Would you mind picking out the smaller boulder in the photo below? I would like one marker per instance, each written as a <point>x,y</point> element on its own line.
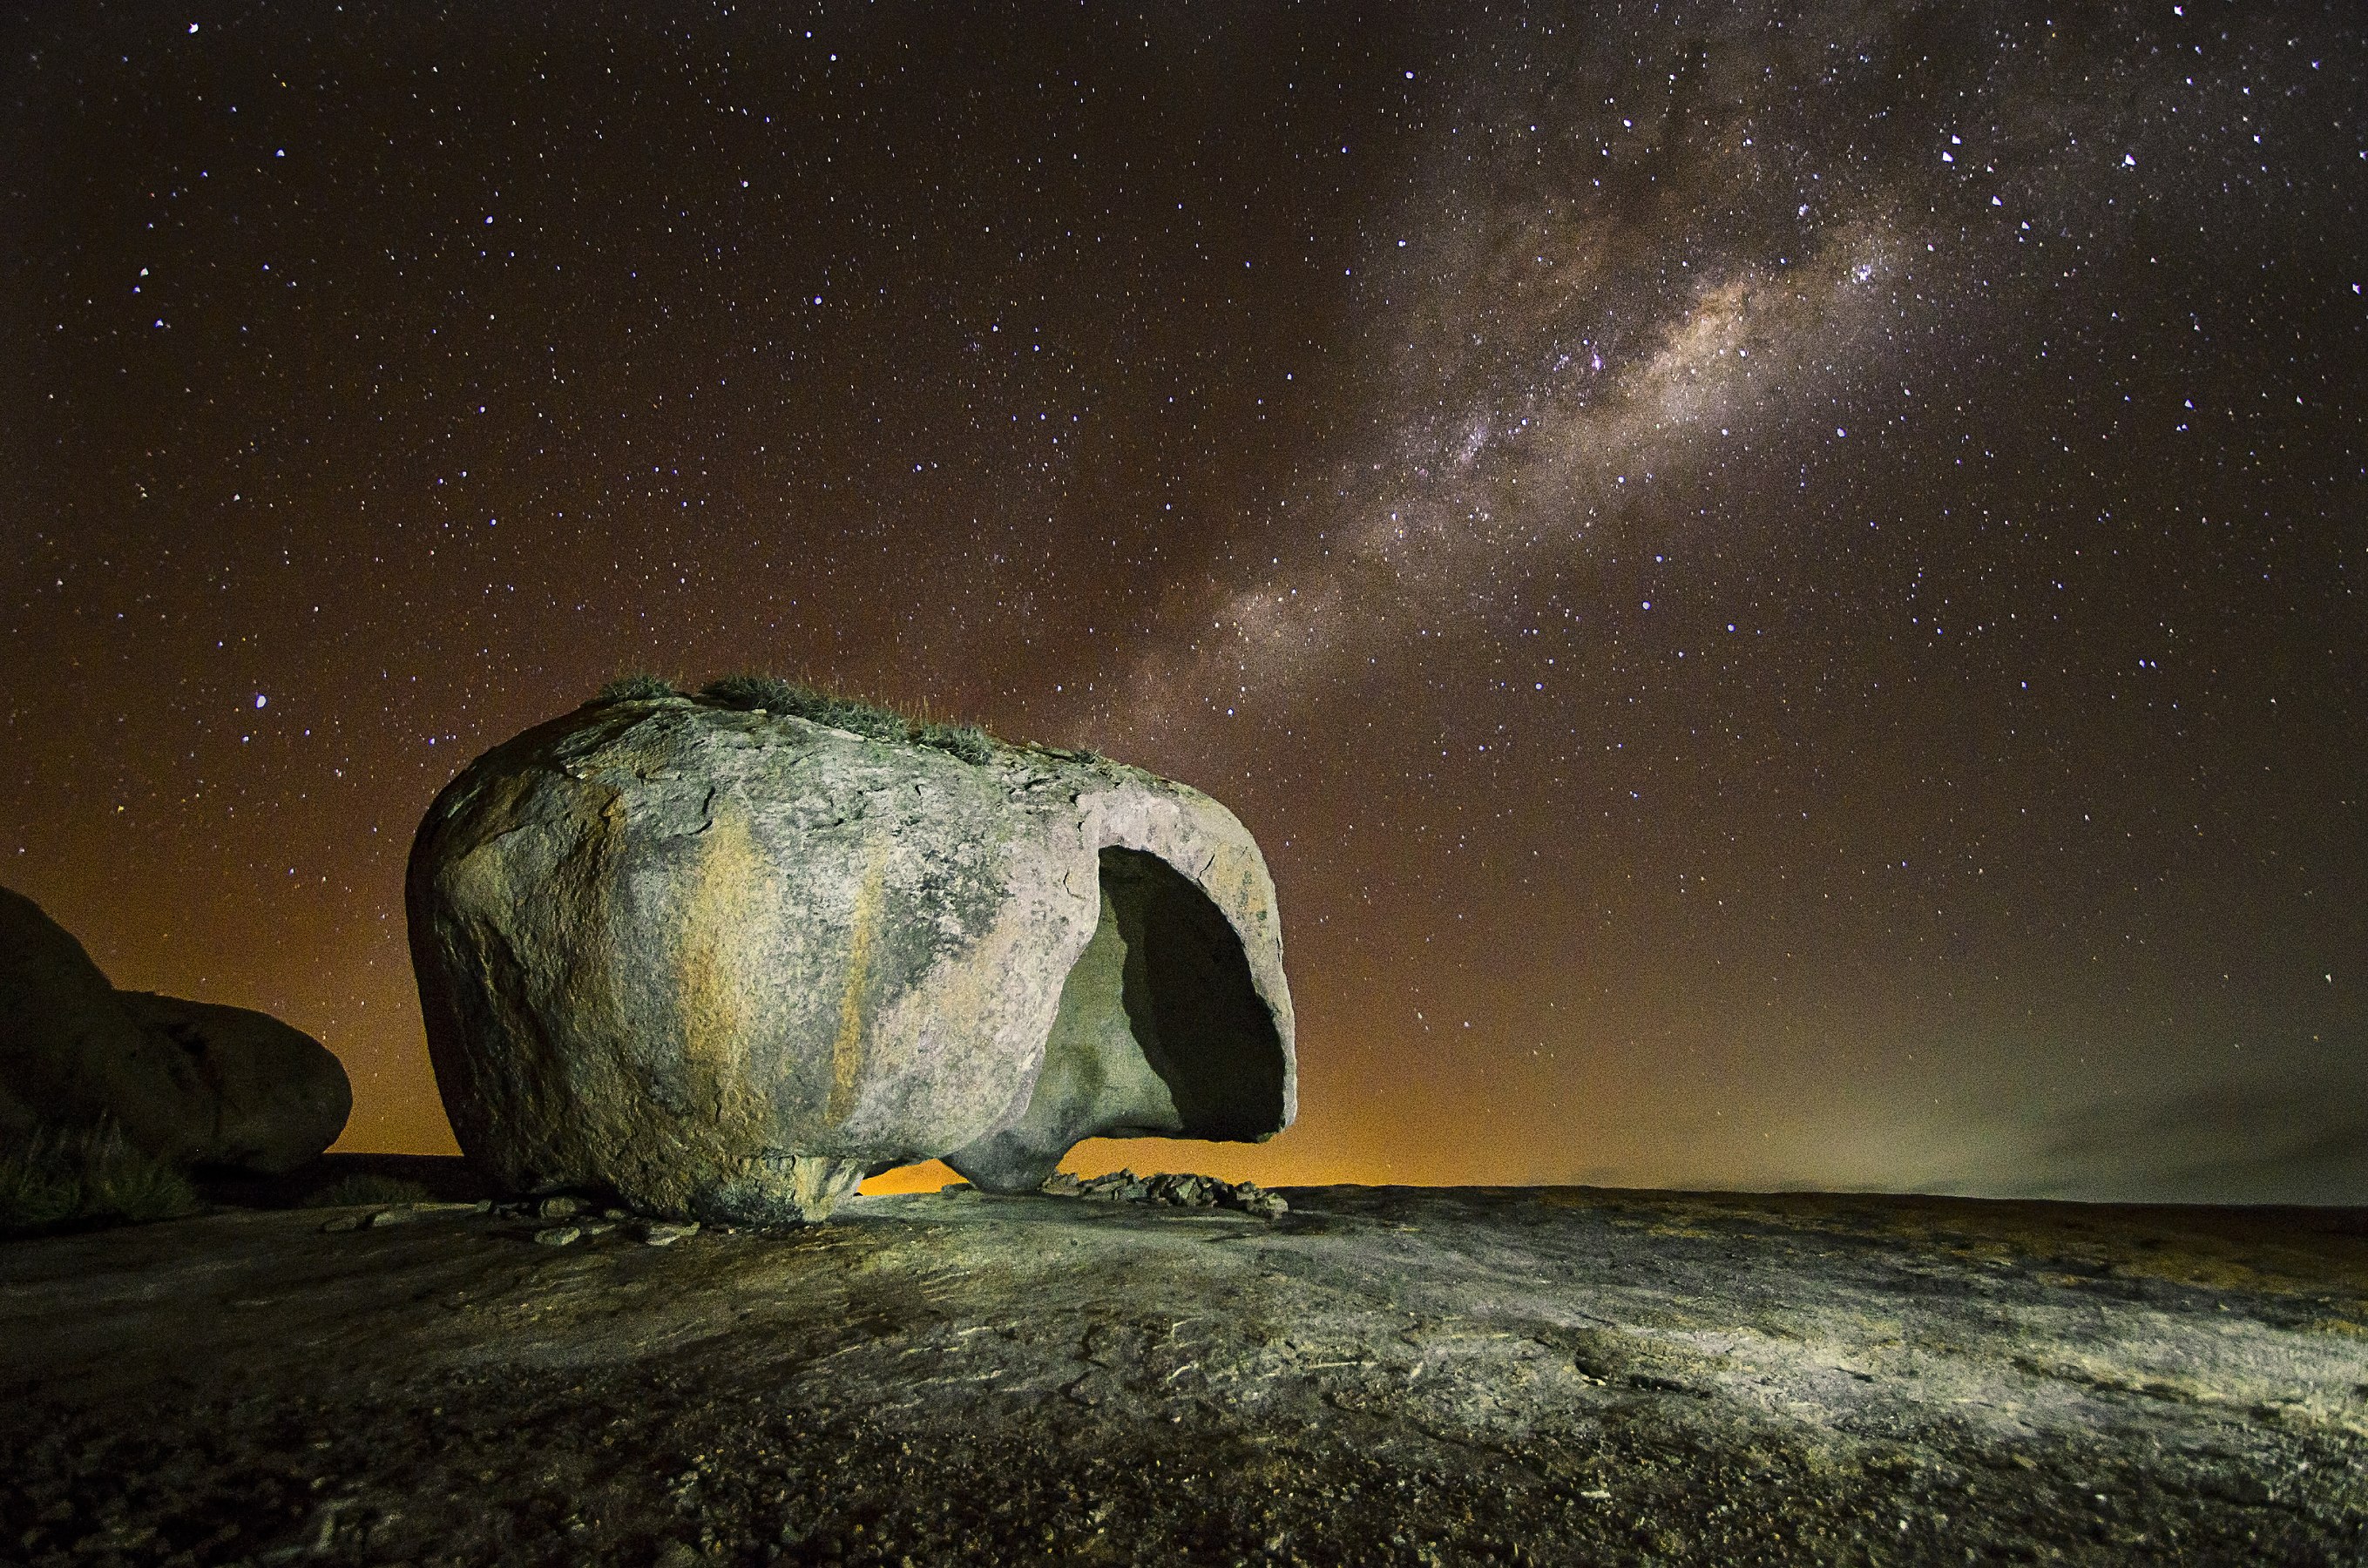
<point>71,1056</point>
<point>188,1083</point>
<point>279,1097</point>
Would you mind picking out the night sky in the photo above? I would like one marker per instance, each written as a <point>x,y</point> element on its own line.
<point>1785,588</point>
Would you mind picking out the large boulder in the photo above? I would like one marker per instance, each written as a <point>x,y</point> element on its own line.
<point>726,961</point>
<point>189,1083</point>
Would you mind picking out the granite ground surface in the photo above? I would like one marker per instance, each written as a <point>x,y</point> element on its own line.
<point>1377,1376</point>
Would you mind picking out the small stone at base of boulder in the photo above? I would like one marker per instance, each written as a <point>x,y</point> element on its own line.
<point>402,1214</point>
<point>666,1232</point>
<point>1182,1189</point>
<point>558,1236</point>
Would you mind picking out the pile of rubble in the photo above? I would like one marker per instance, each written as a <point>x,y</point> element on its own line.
<point>1176,1189</point>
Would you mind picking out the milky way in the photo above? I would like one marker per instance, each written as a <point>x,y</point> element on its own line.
<point>1760,246</point>
<point>1780,584</point>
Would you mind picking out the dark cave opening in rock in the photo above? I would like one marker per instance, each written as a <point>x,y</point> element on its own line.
<point>1190,1003</point>
<point>1160,1031</point>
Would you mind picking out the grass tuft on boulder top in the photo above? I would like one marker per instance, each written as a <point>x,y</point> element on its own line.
<point>639,685</point>
<point>86,1176</point>
<point>967,742</point>
<point>872,720</point>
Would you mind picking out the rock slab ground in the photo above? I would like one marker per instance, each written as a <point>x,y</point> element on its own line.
<point>1375,1376</point>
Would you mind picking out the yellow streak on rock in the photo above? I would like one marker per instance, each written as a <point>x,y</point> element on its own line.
<point>724,902</point>
<point>846,1052</point>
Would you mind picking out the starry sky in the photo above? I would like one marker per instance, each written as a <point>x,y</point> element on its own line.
<point>1781,585</point>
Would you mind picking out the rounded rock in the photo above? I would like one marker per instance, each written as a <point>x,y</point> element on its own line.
<point>725,963</point>
<point>191,1083</point>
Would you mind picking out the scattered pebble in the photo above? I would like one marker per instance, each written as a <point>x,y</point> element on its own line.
<point>666,1232</point>
<point>559,1236</point>
<point>559,1209</point>
<point>402,1214</point>
<point>1176,1189</point>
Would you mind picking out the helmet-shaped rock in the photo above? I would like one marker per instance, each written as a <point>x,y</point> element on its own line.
<point>726,961</point>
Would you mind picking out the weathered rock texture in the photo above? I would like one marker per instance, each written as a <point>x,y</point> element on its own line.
<point>726,962</point>
<point>1386,1378</point>
<point>189,1082</point>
